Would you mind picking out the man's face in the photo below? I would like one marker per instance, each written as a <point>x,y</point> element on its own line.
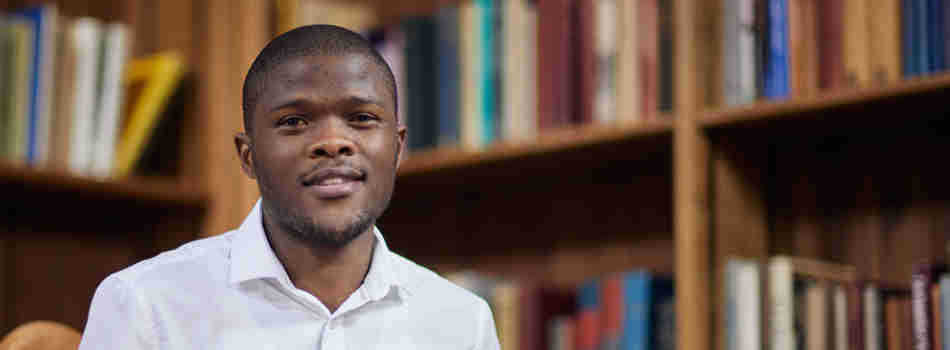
<point>324,147</point>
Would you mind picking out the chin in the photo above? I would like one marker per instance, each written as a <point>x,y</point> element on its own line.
<point>333,232</point>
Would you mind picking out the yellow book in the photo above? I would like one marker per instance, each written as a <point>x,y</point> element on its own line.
<point>885,48</point>
<point>159,75</point>
<point>857,58</point>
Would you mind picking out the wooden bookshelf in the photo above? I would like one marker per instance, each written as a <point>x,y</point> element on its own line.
<point>167,192</point>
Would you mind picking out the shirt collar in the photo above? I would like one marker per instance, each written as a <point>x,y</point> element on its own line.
<point>253,258</point>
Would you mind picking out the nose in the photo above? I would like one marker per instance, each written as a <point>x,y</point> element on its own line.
<point>331,147</point>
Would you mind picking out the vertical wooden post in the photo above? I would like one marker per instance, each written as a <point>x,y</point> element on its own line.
<point>690,172</point>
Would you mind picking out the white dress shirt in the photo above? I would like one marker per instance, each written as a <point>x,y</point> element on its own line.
<point>231,292</point>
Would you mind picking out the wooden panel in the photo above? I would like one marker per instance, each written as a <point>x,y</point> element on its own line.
<point>254,31</point>
<point>690,185</point>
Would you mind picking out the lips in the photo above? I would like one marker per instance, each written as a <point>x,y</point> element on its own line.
<point>336,182</point>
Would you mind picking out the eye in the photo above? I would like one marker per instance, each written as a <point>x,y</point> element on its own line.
<point>363,118</point>
<point>292,121</point>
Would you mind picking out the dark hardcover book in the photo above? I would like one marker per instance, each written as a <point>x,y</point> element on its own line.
<point>945,32</point>
<point>923,38</point>
<point>530,327</point>
<point>421,81</point>
<point>908,35</point>
<point>589,309</point>
<point>663,310</point>
<point>585,64</point>
<point>856,316</point>
<point>830,27</point>
<point>665,64</point>
<point>922,281</point>
<point>447,70</point>
<point>555,96</point>
<point>935,34</point>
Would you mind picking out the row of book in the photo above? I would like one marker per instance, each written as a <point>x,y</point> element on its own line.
<point>481,71</point>
<point>630,310</point>
<point>797,303</point>
<point>777,49</point>
<point>71,98</point>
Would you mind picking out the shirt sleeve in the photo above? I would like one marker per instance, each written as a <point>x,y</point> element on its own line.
<point>118,319</point>
<point>487,336</point>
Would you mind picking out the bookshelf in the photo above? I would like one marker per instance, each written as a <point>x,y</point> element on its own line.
<point>852,176</point>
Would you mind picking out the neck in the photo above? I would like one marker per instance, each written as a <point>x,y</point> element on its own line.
<point>330,273</point>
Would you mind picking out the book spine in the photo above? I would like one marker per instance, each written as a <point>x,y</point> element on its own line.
<point>921,282</point>
<point>923,37</point>
<point>830,27</point>
<point>747,51</point>
<point>447,93</point>
<point>588,316</point>
<point>935,34</point>
<point>606,50</point>
<point>945,309</point>
<point>872,319</point>
<point>782,314</point>
<point>665,53</point>
<point>730,311</point>
<point>636,328</point>
<point>629,80</point>
<point>857,61</point>
<point>776,74</point>
<point>585,69</point>
<point>855,317</point>
<point>612,311</point>
<point>489,79</point>
<point>840,302</point>
<point>554,73</point>
<point>885,46</point>
<point>663,315</point>
<point>908,37</point>
<point>730,52</point>
<point>648,44</point>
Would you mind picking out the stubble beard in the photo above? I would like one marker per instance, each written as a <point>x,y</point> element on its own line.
<point>309,231</point>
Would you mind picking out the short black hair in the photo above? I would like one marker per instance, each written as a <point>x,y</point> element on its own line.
<point>311,40</point>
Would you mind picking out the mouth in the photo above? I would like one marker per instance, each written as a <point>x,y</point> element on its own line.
<point>334,183</point>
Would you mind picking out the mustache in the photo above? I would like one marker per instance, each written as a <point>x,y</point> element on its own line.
<point>337,169</point>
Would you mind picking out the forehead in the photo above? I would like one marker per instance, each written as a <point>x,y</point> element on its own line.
<point>324,79</point>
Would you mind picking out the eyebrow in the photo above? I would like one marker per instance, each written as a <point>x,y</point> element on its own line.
<point>349,101</point>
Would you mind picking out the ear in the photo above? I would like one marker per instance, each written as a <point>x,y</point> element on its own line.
<point>401,133</point>
<point>243,145</point>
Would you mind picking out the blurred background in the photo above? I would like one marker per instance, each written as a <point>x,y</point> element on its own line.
<point>635,174</point>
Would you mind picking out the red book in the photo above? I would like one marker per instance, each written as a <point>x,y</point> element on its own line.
<point>611,293</point>
<point>555,77</point>
<point>585,64</point>
<point>648,47</point>
<point>830,27</point>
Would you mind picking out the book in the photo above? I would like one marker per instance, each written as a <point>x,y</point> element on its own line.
<point>447,68</point>
<point>816,320</point>
<point>612,297</point>
<point>422,81</point>
<point>856,59</point>
<point>159,75</point>
<point>21,82</point>
<point>775,80</point>
<point>85,34</point>
<point>636,319</point>
<point>42,19</point>
<point>648,47</point>
<point>606,53</point>
<point>585,62</point>
<point>489,79</point>
<point>61,119</point>
<point>471,66</point>
<point>935,37</point>
<point>873,322</point>
<point>830,47</point>
<point>665,54</point>
<point>840,304</point>
<point>556,95</point>
<point>922,281</point>
<point>785,273</point>
<point>519,118</point>
<point>803,47</point>
<point>886,44</point>
<point>742,314</point>
<point>505,300</point>
<point>561,333</point>
<point>629,93</point>
<point>115,54</point>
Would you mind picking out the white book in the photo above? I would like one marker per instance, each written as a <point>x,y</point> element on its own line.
<point>116,55</point>
<point>86,36</point>
<point>605,49</point>
<point>841,318</point>
<point>872,319</point>
<point>749,309</point>
<point>519,118</point>
<point>816,316</point>
<point>747,51</point>
<point>629,95</point>
<point>782,298</point>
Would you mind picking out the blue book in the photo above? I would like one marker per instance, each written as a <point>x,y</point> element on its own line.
<point>776,70</point>
<point>489,74</point>
<point>42,19</point>
<point>908,36</point>
<point>421,82</point>
<point>636,320</point>
<point>935,34</point>
<point>447,68</point>
<point>923,39</point>
<point>663,315</point>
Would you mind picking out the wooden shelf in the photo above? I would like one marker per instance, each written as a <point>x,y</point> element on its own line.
<point>548,144</point>
<point>763,112</point>
<point>155,191</point>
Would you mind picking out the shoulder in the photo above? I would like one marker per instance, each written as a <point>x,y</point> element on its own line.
<point>435,290</point>
<point>196,261</point>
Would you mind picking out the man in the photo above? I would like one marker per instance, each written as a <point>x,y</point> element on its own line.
<point>307,269</point>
